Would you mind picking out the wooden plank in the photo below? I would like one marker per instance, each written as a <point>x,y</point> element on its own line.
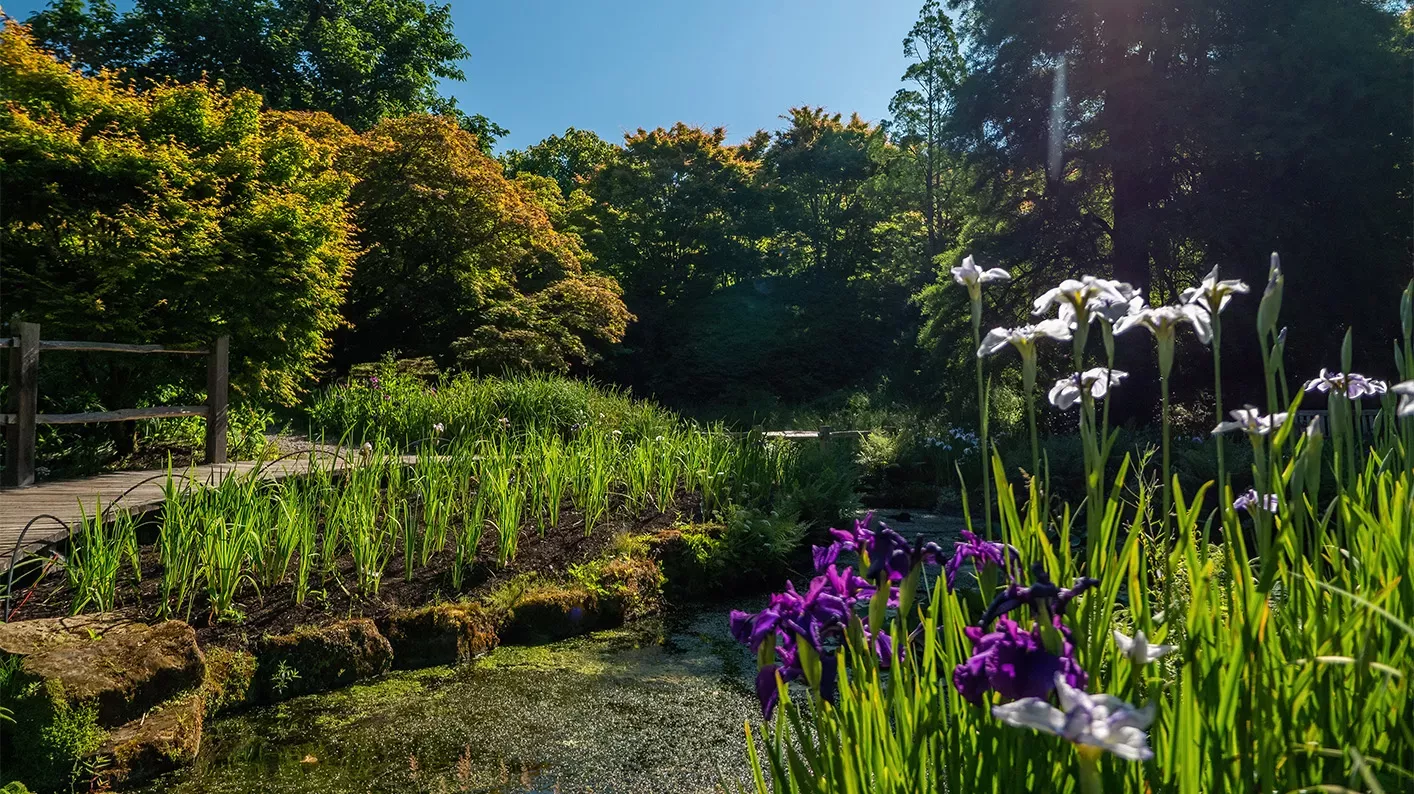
<point>24,402</point>
<point>218,377</point>
<point>118,347</point>
<point>801,435</point>
<point>122,415</point>
<point>141,491</point>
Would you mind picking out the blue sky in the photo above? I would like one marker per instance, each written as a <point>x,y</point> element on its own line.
<point>539,66</point>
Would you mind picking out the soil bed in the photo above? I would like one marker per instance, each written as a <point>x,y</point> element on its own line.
<point>274,611</point>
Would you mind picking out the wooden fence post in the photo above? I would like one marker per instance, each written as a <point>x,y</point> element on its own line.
<point>824,436</point>
<point>217,381</point>
<point>24,403</point>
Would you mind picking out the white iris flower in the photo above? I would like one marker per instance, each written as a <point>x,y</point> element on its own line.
<point>1023,338</point>
<point>1138,650</point>
<point>1250,421</point>
<point>1098,381</point>
<point>969,275</point>
<point>1405,391</point>
<point>1104,722</point>
<point>1213,294</point>
<point>1163,321</point>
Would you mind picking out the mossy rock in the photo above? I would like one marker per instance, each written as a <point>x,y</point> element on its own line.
<point>440,634</point>
<point>319,659</point>
<point>124,672</point>
<point>553,611</point>
<point>230,676</point>
<point>165,739</point>
<point>28,637</point>
<point>629,587</point>
<point>77,679</point>
<point>689,559</point>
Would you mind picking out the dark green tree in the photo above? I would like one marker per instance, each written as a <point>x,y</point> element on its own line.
<point>1150,140</point>
<point>920,119</point>
<point>571,159</point>
<point>816,170</point>
<point>359,60</point>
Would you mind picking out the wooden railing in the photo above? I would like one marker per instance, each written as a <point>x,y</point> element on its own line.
<point>22,420</point>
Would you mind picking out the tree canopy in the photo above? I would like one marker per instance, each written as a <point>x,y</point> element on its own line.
<point>359,61</point>
<point>457,257</point>
<point>171,215</point>
<point>1140,140</point>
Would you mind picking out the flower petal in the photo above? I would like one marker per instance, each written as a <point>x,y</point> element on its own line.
<point>1033,713</point>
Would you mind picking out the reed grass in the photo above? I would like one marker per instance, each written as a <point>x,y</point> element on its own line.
<point>570,447</point>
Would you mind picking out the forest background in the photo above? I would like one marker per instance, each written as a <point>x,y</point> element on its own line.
<point>289,172</point>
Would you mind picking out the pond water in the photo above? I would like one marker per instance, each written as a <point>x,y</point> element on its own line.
<point>655,707</point>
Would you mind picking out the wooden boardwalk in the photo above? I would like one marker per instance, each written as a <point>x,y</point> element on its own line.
<point>134,492</point>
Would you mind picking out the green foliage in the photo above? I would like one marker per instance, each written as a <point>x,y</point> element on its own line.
<point>513,457</point>
<point>405,409</point>
<point>170,215</point>
<point>58,739</point>
<point>360,61</point>
<point>571,161</point>
<point>878,451</point>
<point>819,488</point>
<point>756,544</point>
<point>463,264</point>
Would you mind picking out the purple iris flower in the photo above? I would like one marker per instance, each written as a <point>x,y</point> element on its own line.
<point>893,556</point>
<point>982,553</point>
<point>1041,593</point>
<point>825,556</point>
<point>766,690</point>
<point>818,619</point>
<point>1016,663</point>
<point>861,539</point>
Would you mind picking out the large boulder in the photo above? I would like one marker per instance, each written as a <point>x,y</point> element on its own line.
<point>319,659</point>
<point>124,672</point>
<point>28,637</point>
<point>165,739</point>
<point>76,679</point>
<point>440,634</point>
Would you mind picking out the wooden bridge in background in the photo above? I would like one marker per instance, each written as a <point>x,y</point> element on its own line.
<point>35,516</point>
<point>52,510</point>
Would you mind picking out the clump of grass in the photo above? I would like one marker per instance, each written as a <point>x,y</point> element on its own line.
<point>562,445</point>
<point>1278,649</point>
<point>96,558</point>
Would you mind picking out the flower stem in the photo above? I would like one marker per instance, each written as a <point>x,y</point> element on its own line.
<point>1218,400</point>
<point>984,449</point>
<point>1035,444</point>
<point>1089,771</point>
<point>1168,473</point>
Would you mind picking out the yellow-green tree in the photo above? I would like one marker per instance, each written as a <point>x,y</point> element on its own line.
<point>465,265</point>
<point>168,215</point>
